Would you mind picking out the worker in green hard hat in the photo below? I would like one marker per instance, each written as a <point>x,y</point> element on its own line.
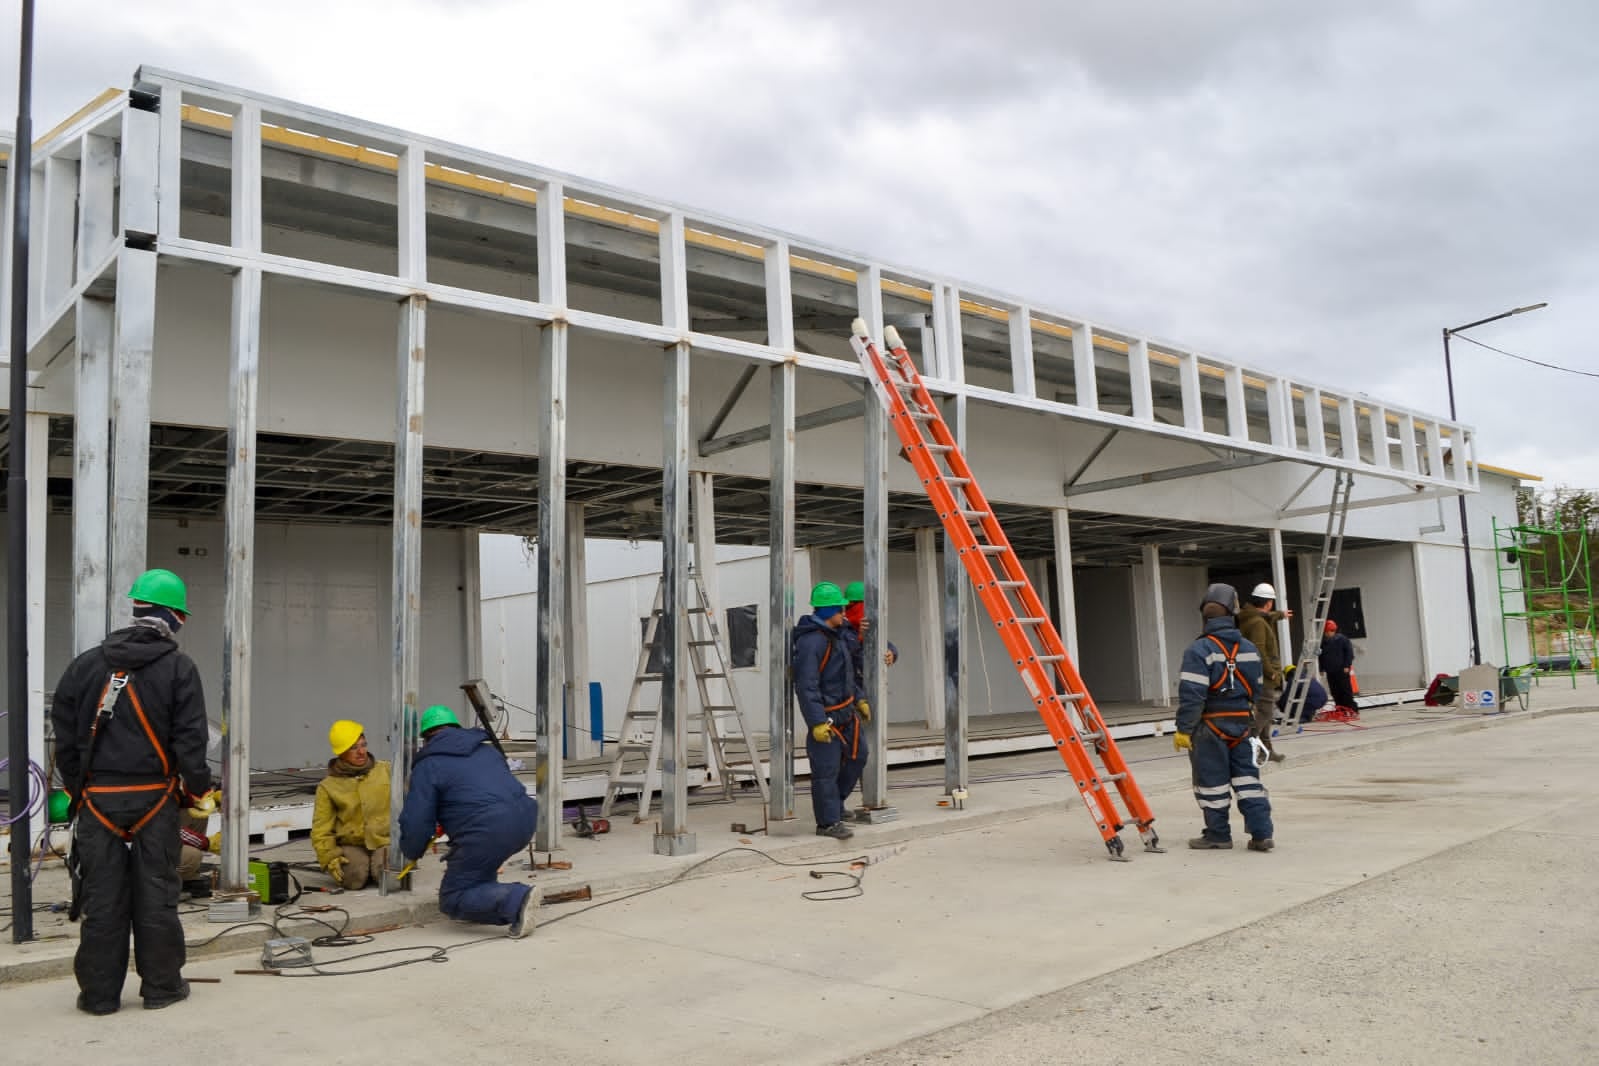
<point>460,782</point>
<point>829,699</point>
<point>130,744</point>
<point>350,824</point>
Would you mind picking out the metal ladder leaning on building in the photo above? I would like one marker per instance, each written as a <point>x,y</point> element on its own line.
<point>1332,547</point>
<point>729,748</point>
<point>1007,594</point>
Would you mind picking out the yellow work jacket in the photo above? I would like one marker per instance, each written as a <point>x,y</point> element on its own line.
<point>351,810</point>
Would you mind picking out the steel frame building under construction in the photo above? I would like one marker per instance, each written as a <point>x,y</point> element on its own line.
<point>286,353</point>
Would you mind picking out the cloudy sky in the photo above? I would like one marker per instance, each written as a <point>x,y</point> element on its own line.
<point>1313,186</point>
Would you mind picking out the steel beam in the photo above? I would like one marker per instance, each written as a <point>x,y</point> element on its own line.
<point>1379,501</point>
<point>550,658</point>
<point>780,597</point>
<point>130,418</point>
<point>1194,470</point>
<point>91,475</point>
<point>238,578</point>
<point>827,416</point>
<point>406,596</point>
<point>957,595</point>
<point>1065,581</point>
<point>673,837</point>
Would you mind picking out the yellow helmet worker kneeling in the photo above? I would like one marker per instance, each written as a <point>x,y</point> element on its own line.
<point>350,826</point>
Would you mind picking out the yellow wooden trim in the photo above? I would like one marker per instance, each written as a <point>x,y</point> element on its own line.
<point>1506,472</point>
<point>98,102</point>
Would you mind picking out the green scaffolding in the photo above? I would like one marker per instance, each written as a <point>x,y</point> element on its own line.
<point>1546,587</point>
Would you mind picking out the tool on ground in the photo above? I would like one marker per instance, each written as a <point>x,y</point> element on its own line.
<point>570,895</point>
<point>286,953</point>
<point>588,829</point>
<point>1332,546</point>
<point>723,724</point>
<point>1002,585</point>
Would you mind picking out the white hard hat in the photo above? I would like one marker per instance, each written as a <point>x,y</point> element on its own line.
<point>1264,591</point>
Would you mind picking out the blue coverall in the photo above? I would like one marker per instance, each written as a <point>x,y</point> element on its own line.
<point>1214,707</point>
<point>824,683</point>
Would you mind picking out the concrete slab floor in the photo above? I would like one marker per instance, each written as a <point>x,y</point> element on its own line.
<point>1423,892</point>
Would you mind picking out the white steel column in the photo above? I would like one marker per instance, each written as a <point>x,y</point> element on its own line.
<point>1139,380</point>
<point>930,601</point>
<point>91,474</point>
<point>54,237</point>
<point>130,414</point>
<point>957,596</point>
<point>1158,604</point>
<point>38,475</point>
<point>472,602</point>
<point>874,781</point>
<point>1237,405</point>
<point>1083,370</point>
<point>580,741</point>
<point>1279,581</point>
<point>96,195</point>
<point>674,837</point>
<point>1193,400</point>
<point>780,596</point>
<point>406,602</point>
<point>238,574</point>
<point>1315,428</point>
<point>702,525</point>
<point>1021,352</point>
<point>550,652</point>
<point>1065,582</point>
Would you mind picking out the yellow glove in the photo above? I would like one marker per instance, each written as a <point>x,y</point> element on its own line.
<point>1182,741</point>
<point>864,709</point>
<point>823,733</point>
<point>335,868</point>
<point>207,804</point>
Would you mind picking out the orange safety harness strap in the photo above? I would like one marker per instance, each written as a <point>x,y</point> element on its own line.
<point>1232,667</point>
<point>822,666</point>
<point>167,787</point>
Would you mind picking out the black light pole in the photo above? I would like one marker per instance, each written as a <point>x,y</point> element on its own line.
<point>1465,530</point>
<point>17,502</point>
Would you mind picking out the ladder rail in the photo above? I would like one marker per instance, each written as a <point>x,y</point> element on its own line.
<point>1024,627</point>
<point>616,778</point>
<point>1327,578</point>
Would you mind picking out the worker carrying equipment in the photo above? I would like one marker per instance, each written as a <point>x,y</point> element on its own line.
<point>1221,671</point>
<point>130,744</point>
<point>824,684</point>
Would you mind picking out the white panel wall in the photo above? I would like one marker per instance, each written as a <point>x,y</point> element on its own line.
<point>1181,589</point>
<point>1390,657</point>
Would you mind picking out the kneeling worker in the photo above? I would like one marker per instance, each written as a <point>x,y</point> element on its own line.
<point>350,826</point>
<point>461,783</point>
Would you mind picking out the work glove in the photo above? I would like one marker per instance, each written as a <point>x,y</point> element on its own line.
<point>864,709</point>
<point>207,804</point>
<point>335,868</point>
<point>823,733</point>
<point>1182,742</point>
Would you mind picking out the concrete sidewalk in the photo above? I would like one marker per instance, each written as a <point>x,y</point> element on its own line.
<point>1003,790</point>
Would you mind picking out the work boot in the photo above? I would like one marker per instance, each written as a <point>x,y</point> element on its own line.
<point>527,917</point>
<point>838,831</point>
<point>1205,843</point>
<point>1261,844</point>
<point>98,1010</point>
<point>1278,756</point>
<point>167,1001</point>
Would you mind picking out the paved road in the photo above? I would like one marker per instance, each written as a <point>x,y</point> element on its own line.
<point>1429,901</point>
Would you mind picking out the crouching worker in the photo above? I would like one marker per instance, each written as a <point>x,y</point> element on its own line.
<point>461,783</point>
<point>350,826</point>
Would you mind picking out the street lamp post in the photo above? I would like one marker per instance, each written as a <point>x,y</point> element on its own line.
<point>1465,530</point>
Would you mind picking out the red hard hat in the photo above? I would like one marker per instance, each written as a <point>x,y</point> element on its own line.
<point>1331,627</point>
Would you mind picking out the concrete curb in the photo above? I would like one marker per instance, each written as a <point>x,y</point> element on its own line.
<point>740,857</point>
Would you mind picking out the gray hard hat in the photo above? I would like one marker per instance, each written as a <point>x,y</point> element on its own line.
<point>1225,595</point>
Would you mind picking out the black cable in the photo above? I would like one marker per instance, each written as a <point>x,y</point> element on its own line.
<point>1524,359</point>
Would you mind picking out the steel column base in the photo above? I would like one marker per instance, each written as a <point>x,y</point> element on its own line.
<point>394,881</point>
<point>874,815</point>
<point>679,844</point>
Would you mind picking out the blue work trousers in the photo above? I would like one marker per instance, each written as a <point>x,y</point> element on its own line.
<point>1224,764</point>
<point>471,890</point>
<point>836,766</point>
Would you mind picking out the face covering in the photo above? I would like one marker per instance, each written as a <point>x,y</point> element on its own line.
<point>855,613</point>
<point>824,613</point>
<point>163,619</point>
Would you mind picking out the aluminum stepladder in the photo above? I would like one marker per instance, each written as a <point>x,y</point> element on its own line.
<point>1332,547</point>
<point>996,573</point>
<point>729,748</point>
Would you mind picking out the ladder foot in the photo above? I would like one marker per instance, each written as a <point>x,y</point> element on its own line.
<point>1152,842</point>
<point>1117,849</point>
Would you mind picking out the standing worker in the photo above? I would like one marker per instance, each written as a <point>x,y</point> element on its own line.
<point>461,783</point>
<point>130,741</point>
<point>824,683</point>
<point>1215,710</point>
<point>1257,621</point>
<point>350,824</point>
<point>1336,660</point>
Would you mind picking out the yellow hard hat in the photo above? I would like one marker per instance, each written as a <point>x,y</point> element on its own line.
<point>343,735</point>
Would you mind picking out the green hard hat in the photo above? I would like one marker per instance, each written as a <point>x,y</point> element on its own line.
<point>60,803</point>
<point>855,591</point>
<point>438,715</point>
<point>162,588</point>
<point>827,594</point>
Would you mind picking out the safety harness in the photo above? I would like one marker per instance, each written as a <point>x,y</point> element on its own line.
<point>1225,683</point>
<point>855,740</point>
<point>118,681</point>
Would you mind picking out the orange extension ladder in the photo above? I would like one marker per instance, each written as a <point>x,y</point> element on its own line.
<point>1006,593</point>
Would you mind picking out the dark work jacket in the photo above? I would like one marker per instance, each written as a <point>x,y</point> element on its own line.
<point>857,654</point>
<point>168,688</point>
<point>1337,654</point>
<point>824,669</point>
<point>461,782</point>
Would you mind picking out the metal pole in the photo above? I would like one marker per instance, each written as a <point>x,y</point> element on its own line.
<point>780,597</point>
<point>672,633</point>
<point>549,665</point>
<point>1465,528</point>
<point>17,500</point>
